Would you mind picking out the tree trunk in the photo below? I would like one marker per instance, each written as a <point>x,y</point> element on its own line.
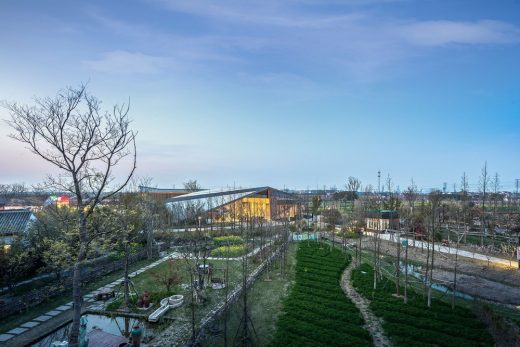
<point>406,273</point>
<point>397,264</point>
<point>432,258</point>
<point>126,279</point>
<point>375,261</point>
<point>427,265</point>
<point>76,279</point>
<point>455,276</point>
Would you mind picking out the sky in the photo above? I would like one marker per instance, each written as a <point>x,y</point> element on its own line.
<point>292,94</point>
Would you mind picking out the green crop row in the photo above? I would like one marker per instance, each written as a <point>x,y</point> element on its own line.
<point>414,324</point>
<point>317,312</point>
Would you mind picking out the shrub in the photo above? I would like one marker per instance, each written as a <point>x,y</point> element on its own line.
<point>227,240</point>
<point>229,251</point>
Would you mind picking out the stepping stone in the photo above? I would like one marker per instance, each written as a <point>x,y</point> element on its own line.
<point>29,324</point>
<point>53,313</point>
<point>17,331</point>
<point>63,308</point>
<point>42,318</point>
<point>5,337</point>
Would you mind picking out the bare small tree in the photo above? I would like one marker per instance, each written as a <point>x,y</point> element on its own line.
<point>484,186</point>
<point>191,185</point>
<point>353,186</point>
<point>85,143</point>
<point>9,191</point>
<point>495,185</point>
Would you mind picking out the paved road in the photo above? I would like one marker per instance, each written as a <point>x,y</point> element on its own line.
<point>444,249</point>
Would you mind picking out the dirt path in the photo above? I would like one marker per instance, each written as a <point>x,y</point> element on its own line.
<point>372,323</point>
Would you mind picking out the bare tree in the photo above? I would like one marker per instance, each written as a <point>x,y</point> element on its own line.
<point>191,186</point>
<point>455,267</point>
<point>495,185</point>
<point>353,186</point>
<point>9,191</point>
<point>435,198</point>
<point>483,185</point>
<point>464,198</point>
<point>85,143</point>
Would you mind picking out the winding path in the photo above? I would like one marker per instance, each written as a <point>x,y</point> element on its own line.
<point>372,323</point>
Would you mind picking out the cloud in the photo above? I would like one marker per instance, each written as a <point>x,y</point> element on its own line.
<point>443,32</point>
<point>124,63</point>
<point>299,37</point>
<point>260,13</point>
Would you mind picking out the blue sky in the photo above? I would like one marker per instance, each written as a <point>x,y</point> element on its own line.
<point>299,93</point>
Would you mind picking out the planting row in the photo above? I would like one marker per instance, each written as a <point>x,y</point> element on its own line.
<point>414,324</point>
<point>317,312</point>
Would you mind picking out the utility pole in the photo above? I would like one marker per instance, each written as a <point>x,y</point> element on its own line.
<point>379,182</point>
<point>517,183</point>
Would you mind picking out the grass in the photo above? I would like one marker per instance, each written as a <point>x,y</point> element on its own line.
<point>15,320</point>
<point>182,315</point>
<point>148,280</point>
<point>317,312</point>
<point>265,302</point>
<point>414,324</point>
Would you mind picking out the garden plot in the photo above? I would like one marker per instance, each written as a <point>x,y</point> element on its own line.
<point>317,312</point>
<point>414,324</point>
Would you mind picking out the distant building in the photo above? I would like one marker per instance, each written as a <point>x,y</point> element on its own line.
<point>13,224</point>
<point>62,200</point>
<point>233,205</point>
<point>382,219</point>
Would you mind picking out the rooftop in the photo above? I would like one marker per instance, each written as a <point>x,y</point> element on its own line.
<point>15,221</point>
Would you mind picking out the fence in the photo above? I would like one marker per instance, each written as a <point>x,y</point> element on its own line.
<point>64,285</point>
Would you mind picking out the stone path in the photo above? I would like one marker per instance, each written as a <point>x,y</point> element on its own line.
<point>372,323</point>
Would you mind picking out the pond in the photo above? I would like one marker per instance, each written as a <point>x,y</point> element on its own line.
<point>120,326</point>
<point>415,271</point>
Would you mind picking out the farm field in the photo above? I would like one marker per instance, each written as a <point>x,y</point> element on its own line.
<point>316,311</point>
<point>414,324</point>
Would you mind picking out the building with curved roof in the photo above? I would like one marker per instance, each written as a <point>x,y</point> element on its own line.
<point>234,204</point>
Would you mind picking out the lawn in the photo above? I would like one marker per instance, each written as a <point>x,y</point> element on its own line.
<point>150,281</point>
<point>317,312</point>
<point>265,299</point>
<point>414,324</point>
